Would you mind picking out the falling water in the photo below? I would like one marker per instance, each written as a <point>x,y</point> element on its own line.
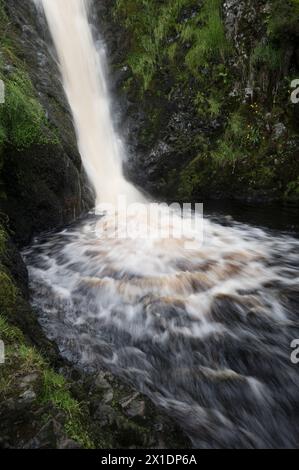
<point>83,70</point>
<point>206,331</point>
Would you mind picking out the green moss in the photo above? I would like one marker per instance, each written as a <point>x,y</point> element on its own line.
<point>23,119</point>
<point>8,294</point>
<point>55,390</point>
<point>51,388</point>
<point>226,153</point>
<point>206,33</point>
<point>3,19</point>
<point>3,239</point>
<point>159,33</point>
<point>267,55</point>
<point>22,359</point>
<point>292,191</point>
<point>179,51</point>
<point>209,105</point>
<point>190,179</point>
<point>8,333</point>
<point>242,135</point>
<point>283,20</point>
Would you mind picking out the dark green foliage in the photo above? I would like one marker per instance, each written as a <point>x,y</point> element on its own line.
<point>22,359</point>
<point>158,30</point>
<point>51,389</point>
<point>283,21</point>
<point>22,118</point>
<point>23,121</point>
<point>267,55</point>
<point>205,32</point>
<point>182,57</point>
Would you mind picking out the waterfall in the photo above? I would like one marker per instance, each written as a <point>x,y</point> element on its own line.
<point>83,71</point>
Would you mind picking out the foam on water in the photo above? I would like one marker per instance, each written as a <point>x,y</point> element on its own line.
<point>205,333</point>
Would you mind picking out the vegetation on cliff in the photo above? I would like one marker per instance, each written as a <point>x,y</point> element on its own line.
<point>28,384</point>
<point>222,71</point>
<point>42,182</point>
<point>23,121</point>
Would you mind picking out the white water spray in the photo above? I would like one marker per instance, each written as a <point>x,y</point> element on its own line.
<point>83,73</point>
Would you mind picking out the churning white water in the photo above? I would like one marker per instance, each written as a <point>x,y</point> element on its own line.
<point>204,332</point>
<point>83,70</point>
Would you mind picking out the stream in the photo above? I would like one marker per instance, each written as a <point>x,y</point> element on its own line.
<point>204,332</point>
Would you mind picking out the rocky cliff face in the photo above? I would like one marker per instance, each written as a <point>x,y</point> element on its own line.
<point>42,179</point>
<point>207,87</point>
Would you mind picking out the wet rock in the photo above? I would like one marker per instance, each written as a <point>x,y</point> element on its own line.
<point>136,408</point>
<point>68,444</point>
<point>101,382</point>
<point>133,405</point>
<point>28,396</point>
<point>47,437</point>
<point>279,130</point>
<point>105,415</point>
<point>108,396</point>
<point>28,380</point>
<point>126,401</point>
